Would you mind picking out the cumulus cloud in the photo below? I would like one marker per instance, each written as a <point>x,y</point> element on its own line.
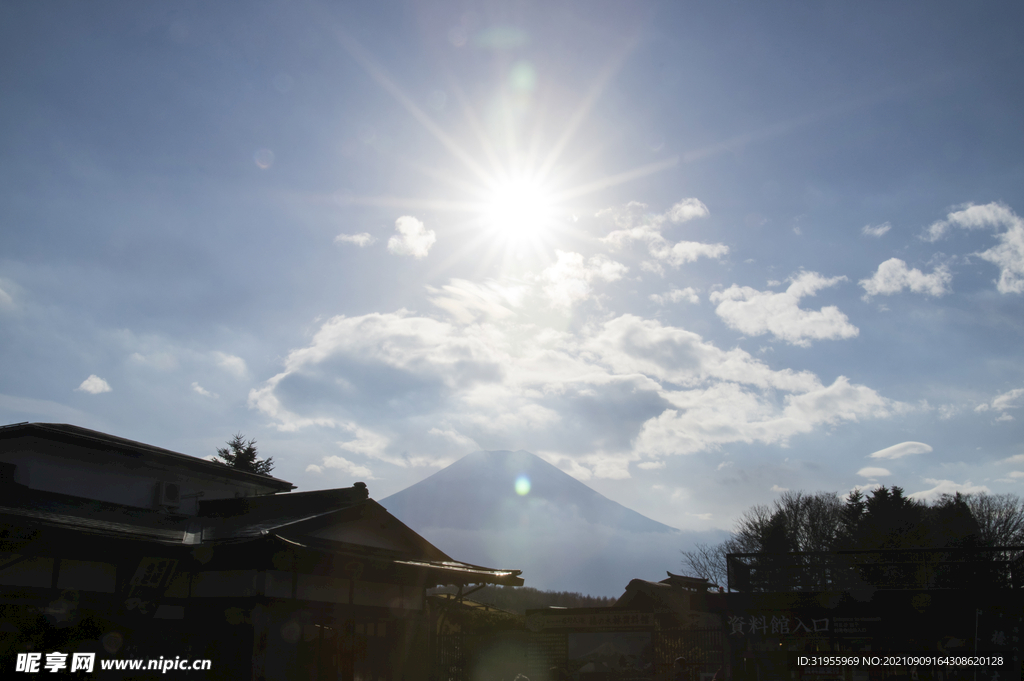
<point>201,390</point>
<point>455,437</point>
<point>947,487</point>
<point>1011,399</point>
<point>776,488</point>
<point>759,312</point>
<point>362,240</point>
<point>893,276</point>
<point>365,442</point>
<point>609,394</point>
<point>635,224</point>
<point>687,209</point>
<point>231,363</point>
<point>901,450</point>
<point>870,472</point>
<point>568,280</point>
<point>971,216</point>
<point>94,385</point>
<point>689,294</point>
<point>347,467</point>
<point>877,230</point>
<point>413,238</point>
<point>1008,254</point>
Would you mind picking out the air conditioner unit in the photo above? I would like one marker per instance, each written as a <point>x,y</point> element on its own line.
<point>168,494</point>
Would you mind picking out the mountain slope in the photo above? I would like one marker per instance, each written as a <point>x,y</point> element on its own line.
<point>484,483</point>
<point>561,533</point>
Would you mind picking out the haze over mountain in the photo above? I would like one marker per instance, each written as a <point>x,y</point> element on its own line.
<point>515,510</point>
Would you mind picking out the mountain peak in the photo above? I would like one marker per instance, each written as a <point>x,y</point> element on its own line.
<point>489,490</point>
<point>515,510</point>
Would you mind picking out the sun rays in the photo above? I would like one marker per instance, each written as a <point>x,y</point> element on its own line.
<point>512,201</point>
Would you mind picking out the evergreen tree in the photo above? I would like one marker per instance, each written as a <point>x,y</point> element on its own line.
<point>242,455</point>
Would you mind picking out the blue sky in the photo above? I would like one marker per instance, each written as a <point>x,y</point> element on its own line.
<point>693,254</point>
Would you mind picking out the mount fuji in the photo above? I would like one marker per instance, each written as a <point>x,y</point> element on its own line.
<point>514,510</point>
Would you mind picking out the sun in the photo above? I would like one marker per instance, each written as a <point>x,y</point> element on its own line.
<point>517,196</point>
<point>519,210</point>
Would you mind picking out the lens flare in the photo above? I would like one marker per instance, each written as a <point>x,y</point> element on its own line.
<point>522,485</point>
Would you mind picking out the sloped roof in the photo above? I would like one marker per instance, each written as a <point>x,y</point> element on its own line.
<point>38,508</point>
<point>123,447</point>
<point>673,593</point>
<point>294,519</point>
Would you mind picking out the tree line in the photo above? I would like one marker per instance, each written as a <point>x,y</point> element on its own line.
<point>519,599</point>
<point>883,520</point>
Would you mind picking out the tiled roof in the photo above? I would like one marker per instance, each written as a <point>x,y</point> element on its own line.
<point>95,440</point>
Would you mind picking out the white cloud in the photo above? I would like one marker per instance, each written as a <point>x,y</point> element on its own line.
<point>1009,400</point>
<point>689,294</point>
<point>455,437</point>
<point>362,240</point>
<point>687,209</point>
<point>685,251</point>
<point>1016,458</point>
<point>313,468</point>
<point>365,442</point>
<point>1008,255</point>
<point>947,487</point>
<point>599,398</point>
<point>413,238</point>
<point>94,385</point>
<point>651,266</point>
<point>972,217</point>
<point>901,450</point>
<point>467,301</point>
<point>5,299</point>
<point>1016,474</point>
<point>651,465</point>
<point>636,225</point>
<point>877,230</point>
<point>726,413</point>
<point>347,467</point>
<point>1004,418</point>
<point>569,279</point>
<point>893,276</point>
<point>201,390</point>
<point>873,472</point>
<point>725,464</point>
<point>232,364</point>
<point>758,312</point>
<point>776,488</point>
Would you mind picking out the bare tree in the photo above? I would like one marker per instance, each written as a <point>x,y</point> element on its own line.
<point>708,561</point>
<point>1000,518</point>
<point>796,521</point>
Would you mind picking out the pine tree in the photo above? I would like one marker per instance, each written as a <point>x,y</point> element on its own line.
<point>243,456</point>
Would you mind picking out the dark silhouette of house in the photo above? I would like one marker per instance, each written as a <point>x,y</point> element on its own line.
<point>130,551</point>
